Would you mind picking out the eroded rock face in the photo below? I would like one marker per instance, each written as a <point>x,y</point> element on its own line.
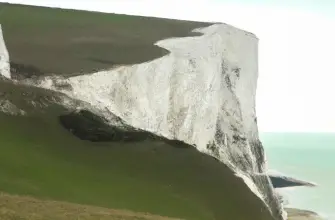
<point>4,58</point>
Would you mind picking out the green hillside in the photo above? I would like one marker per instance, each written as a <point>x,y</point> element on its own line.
<point>41,158</point>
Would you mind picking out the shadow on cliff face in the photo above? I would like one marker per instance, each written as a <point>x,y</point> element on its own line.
<point>88,126</point>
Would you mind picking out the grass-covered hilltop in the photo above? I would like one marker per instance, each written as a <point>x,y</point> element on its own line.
<point>44,41</point>
<point>60,159</point>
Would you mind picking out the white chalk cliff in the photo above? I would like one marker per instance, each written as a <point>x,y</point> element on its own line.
<point>4,58</point>
<point>202,93</point>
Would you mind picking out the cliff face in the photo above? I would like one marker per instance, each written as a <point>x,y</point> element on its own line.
<point>4,57</point>
<point>202,93</point>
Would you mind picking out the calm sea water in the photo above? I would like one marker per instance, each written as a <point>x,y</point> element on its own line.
<point>310,157</point>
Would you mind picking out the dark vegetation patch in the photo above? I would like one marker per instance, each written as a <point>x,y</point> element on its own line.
<point>34,101</point>
<point>58,41</point>
<point>22,71</point>
<point>88,126</point>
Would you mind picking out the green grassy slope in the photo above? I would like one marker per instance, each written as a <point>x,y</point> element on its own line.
<point>41,158</point>
<point>15,207</point>
<point>62,41</point>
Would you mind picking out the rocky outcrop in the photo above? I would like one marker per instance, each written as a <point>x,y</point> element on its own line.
<point>4,58</point>
<point>279,181</point>
<point>297,214</point>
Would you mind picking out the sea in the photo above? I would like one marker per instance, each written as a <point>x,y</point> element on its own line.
<point>309,157</point>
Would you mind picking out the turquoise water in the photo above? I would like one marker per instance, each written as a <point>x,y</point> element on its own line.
<point>310,157</point>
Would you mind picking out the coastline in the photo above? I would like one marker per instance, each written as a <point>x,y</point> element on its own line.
<point>299,214</point>
<point>283,181</point>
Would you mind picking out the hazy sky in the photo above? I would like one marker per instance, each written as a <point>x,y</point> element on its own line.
<point>296,86</point>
